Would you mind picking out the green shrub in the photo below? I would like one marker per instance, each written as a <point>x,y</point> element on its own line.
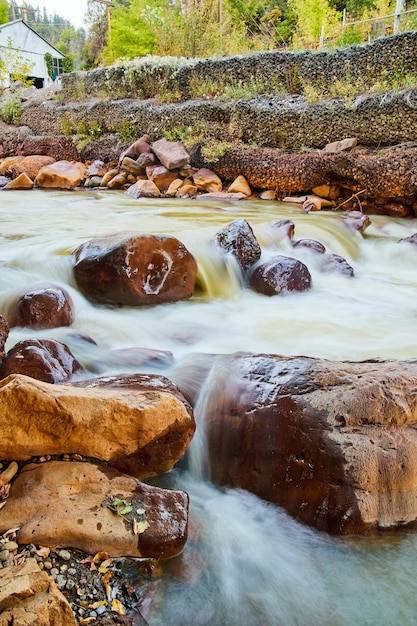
<point>11,109</point>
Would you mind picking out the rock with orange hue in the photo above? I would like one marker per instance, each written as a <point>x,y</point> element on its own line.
<point>31,165</point>
<point>44,359</point>
<point>108,176</point>
<point>29,597</point>
<point>171,154</point>
<point>135,270</point>
<point>132,166</point>
<point>81,516</point>
<point>139,424</point>
<point>60,175</point>
<point>280,275</point>
<point>333,443</point>
<point>20,182</point>
<point>161,176</point>
<point>7,163</point>
<point>240,185</point>
<point>206,180</point>
<point>238,239</point>
<point>174,187</point>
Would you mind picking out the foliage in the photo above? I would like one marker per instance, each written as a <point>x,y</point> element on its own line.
<point>11,109</point>
<point>14,66</point>
<point>4,11</point>
<point>312,17</point>
<point>48,62</point>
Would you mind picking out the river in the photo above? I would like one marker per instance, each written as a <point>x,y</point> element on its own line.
<point>246,562</point>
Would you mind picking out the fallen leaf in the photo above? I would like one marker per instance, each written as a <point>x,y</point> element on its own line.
<point>117,607</point>
<point>140,527</point>
<point>107,589</point>
<point>100,556</point>
<point>87,620</point>
<point>104,566</point>
<point>43,552</point>
<point>95,605</point>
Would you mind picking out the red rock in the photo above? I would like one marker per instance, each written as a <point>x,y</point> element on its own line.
<point>280,275</point>
<point>135,270</point>
<point>161,176</point>
<point>48,307</point>
<point>171,154</point>
<point>311,244</point>
<point>44,359</point>
<point>140,146</point>
<point>356,220</point>
<point>284,227</point>
<point>238,239</point>
<point>333,443</point>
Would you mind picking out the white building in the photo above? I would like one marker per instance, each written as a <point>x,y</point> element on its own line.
<point>22,52</point>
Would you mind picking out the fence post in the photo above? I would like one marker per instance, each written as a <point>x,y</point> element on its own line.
<point>399,8</point>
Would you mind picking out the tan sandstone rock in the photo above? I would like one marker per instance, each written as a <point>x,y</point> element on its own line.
<point>207,180</point>
<point>143,189</point>
<point>77,505</point>
<point>61,175</point>
<point>240,185</point>
<point>29,597</point>
<point>31,165</point>
<point>141,429</point>
<point>20,182</point>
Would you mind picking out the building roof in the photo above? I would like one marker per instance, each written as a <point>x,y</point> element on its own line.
<point>4,26</point>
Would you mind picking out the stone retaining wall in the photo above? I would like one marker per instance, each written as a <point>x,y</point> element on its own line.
<point>143,78</point>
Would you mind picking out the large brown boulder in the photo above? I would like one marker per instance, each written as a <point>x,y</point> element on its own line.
<point>29,597</point>
<point>139,424</point>
<point>47,307</point>
<point>238,239</point>
<point>30,165</point>
<point>43,359</point>
<point>95,508</point>
<point>134,269</point>
<point>333,443</point>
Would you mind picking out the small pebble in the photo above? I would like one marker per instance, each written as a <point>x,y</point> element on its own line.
<point>63,568</point>
<point>54,572</point>
<point>101,609</point>
<point>92,614</point>
<point>10,545</point>
<point>61,581</point>
<point>70,584</point>
<point>72,571</point>
<point>64,555</point>
<point>4,555</point>
<point>47,565</point>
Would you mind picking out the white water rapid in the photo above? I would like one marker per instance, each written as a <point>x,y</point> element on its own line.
<point>246,562</point>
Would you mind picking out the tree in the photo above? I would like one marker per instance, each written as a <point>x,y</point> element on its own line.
<point>4,11</point>
<point>312,16</point>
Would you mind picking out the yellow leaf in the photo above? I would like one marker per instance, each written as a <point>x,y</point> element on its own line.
<point>100,556</point>
<point>117,607</point>
<point>87,620</point>
<point>95,605</point>
<point>43,552</point>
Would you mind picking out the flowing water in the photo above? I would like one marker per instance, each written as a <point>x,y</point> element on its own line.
<point>246,562</point>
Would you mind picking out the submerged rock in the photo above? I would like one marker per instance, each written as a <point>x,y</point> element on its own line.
<point>134,269</point>
<point>47,307</point>
<point>238,239</point>
<point>280,275</point>
<point>44,359</point>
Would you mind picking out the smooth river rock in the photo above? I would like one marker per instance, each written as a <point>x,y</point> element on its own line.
<point>238,239</point>
<point>280,275</point>
<point>334,443</point>
<point>139,424</point>
<point>4,333</point>
<point>71,504</point>
<point>135,270</point>
<point>46,307</point>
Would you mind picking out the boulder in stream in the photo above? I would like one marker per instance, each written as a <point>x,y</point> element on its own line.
<point>335,444</point>
<point>135,270</point>
<point>46,307</point>
<point>238,239</point>
<point>95,508</point>
<point>280,275</point>
<point>140,424</point>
